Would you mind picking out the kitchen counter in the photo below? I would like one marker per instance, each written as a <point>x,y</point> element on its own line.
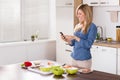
<point>112,44</point>
<point>15,72</point>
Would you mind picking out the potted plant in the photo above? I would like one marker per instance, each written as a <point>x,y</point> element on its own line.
<point>32,37</point>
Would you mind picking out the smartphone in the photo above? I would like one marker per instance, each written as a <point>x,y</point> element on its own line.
<point>62,35</point>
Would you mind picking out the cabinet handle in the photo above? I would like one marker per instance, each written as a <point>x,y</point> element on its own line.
<point>94,3</point>
<point>68,50</point>
<point>103,2</point>
<point>68,4</point>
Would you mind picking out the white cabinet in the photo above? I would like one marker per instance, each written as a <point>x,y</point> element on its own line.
<point>64,23</point>
<point>109,2</point>
<point>92,2</point>
<point>101,2</point>
<point>118,66</point>
<point>104,59</point>
<point>64,2</point>
<point>67,52</point>
<point>12,54</point>
<point>17,52</point>
<point>45,50</point>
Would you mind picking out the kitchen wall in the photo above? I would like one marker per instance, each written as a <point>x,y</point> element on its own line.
<point>52,17</point>
<point>101,17</point>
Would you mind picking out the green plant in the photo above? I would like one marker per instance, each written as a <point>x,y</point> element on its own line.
<point>33,37</point>
<point>98,36</point>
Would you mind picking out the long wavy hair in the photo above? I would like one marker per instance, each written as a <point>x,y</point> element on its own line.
<point>88,13</point>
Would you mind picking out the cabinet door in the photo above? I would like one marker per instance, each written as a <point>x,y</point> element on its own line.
<point>118,70</point>
<point>43,50</point>
<point>104,2</point>
<point>94,51</point>
<point>105,60</point>
<point>34,52</point>
<point>64,19</point>
<point>101,2</point>
<point>114,2</point>
<point>67,54</point>
<point>12,54</point>
<point>64,54</point>
<point>92,2</point>
<point>109,2</point>
<point>64,2</point>
<point>109,57</point>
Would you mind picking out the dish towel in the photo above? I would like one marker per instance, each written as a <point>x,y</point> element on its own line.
<point>114,16</point>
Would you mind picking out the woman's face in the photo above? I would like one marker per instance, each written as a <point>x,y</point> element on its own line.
<point>81,16</point>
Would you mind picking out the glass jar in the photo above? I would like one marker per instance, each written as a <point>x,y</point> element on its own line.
<point>118,33</point>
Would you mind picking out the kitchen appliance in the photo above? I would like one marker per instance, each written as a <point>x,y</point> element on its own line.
<point>118,33</point>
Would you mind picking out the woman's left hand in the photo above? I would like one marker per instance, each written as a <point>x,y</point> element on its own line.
<point>69,37</point>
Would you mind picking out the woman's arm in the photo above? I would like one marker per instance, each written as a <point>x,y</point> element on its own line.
<point>69,39</point>
<point>87,43</point>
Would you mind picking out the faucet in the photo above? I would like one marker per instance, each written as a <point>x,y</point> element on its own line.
<point>99,28</point>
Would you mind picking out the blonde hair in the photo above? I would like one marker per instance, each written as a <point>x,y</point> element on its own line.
<point>88,13</point>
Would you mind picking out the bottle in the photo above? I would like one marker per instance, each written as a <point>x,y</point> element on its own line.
<point>37,35</point>
<point>118,33</point>
<point>98,36</point>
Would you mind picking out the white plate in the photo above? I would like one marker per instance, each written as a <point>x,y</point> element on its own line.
<point>38,71</point>
<point>80,70</point>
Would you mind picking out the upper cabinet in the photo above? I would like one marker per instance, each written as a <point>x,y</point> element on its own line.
<point>109,2</point>
<point>92,2</point>
<point>101,2</point>
<point>64,3</point>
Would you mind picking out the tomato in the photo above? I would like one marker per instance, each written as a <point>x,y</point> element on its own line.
<point>27,64</point>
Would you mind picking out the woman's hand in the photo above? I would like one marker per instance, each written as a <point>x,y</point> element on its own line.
<point>64,38</point>
<point>68,38</point>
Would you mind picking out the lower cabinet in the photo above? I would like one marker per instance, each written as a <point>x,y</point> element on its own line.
<point>104,59</point>
<point>118,66</point>
<point>12,54</point>
<point>27,51</point>
<point>45,50</point>
<point>68,58</point>
<point>63,53</point>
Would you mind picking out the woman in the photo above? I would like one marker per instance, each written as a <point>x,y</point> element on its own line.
<point>84,35</point>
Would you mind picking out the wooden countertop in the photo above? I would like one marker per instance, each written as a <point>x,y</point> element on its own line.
<point>108,44</point>
<point>15,72</point>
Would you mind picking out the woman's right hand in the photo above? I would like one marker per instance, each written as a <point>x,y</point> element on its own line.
<point>64,38</point>
<point>67,38</point>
